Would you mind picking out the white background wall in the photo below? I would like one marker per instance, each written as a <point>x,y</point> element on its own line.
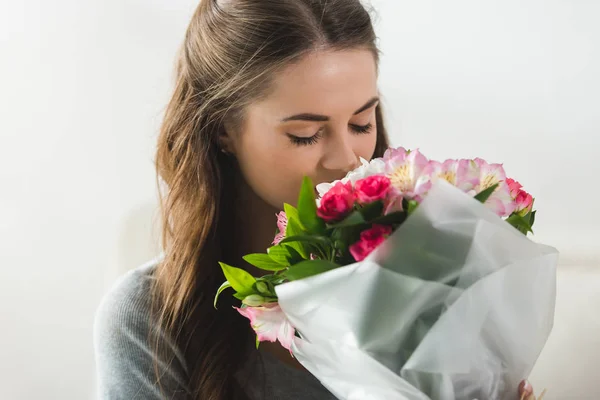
<point>82,89</point>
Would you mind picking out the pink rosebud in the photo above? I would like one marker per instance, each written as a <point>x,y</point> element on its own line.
<point>281,226</point>
<point>372,188</point>
<point>270,323</point>
<point>337,202</point>
<point>524,202</point>
<point>369,240</point>
<point>514,187</point>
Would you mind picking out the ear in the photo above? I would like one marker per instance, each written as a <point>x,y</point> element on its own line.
<point>226,140</point>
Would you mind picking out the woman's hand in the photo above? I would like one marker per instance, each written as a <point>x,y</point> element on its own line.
<point>526,392</point>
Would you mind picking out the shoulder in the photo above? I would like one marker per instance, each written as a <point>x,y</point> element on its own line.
<point>127,303</point>
<point>126,357</point>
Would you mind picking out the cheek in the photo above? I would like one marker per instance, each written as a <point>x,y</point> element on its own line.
<point>274,170</point>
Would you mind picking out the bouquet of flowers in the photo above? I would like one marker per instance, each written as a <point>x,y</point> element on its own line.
<point>407,279</point>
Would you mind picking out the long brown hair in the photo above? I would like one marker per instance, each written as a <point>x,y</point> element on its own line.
<point>231,50</point>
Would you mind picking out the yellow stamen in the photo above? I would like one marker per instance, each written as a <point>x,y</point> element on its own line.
<point>488,181</point>
<point>449,176</point>
<point>400,178</point>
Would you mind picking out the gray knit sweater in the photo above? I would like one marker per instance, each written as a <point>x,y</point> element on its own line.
<point>125,361</point>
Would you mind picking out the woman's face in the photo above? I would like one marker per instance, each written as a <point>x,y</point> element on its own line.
<point>317,121</point>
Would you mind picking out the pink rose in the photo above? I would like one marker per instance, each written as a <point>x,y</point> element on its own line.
<point>281,226</point>
<point>369,240</point>
<point>372,188</point>
<point>337,202</point>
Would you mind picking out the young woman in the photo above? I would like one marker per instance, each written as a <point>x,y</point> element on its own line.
<point>266,92</point>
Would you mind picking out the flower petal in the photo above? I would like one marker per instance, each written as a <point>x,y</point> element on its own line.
<point>281,226</point>
<point>489,174</point>
<point>408,172</point>
<point>270,323</point>
<point>501,201</point>
<point>467,175</point>
<point>323,188</point>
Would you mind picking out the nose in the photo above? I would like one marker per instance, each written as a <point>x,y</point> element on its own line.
<point>340,156</point>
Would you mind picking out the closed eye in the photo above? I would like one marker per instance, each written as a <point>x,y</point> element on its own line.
<point>307,141</point>
<point>362,129</point>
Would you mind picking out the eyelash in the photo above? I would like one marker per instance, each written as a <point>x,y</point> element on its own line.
<point>300,141</point>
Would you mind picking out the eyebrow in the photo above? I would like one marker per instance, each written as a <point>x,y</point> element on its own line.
<point>323,118</point>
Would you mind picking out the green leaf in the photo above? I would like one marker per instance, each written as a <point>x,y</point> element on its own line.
<point>372,210</point>
<point>294,257</point>
<point>291,214</point>
<point>241,296</point>
<point>294,230</point>
<point>336,234</point>
<point>311,239</point>
<point>272,280</point>
<point>241,281</point>
<point>532,218</point>
<point>520,223</point>
<point>280,254</point>
<point>224,286</point>
<point>355,218</point>
<point>263,261</point>
<point>348,235</point>
<point>397,217</point>
<point>294,227</point>
<point>307,208</point>
<point>485,194</point>
<point>257,342</point>
<point>308,268</point>
<point>271,284</point>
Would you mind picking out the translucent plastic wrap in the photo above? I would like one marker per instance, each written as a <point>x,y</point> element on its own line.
<point>455,305</point>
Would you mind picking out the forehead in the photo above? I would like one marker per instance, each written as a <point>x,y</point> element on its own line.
<point>325,82</point>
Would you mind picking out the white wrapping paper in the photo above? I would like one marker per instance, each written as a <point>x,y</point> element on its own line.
<point>455,305</point>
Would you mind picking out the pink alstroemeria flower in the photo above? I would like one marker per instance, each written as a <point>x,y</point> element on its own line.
<point>501,202</point>
<point>406,170</point>
<point>460,173</point>
<point>270,323</point>
<point>281,226</point>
